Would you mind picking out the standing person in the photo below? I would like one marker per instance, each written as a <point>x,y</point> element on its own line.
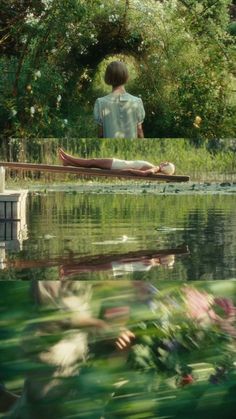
<point>119,114</point>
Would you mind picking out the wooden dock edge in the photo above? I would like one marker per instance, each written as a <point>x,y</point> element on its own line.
<point>91,172</point>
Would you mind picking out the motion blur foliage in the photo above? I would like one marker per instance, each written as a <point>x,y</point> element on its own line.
<point>181,51</point>
<point>182,360</point>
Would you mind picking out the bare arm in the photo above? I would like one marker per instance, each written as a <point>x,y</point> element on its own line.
<point>141,172</point>
<point>140,131</point>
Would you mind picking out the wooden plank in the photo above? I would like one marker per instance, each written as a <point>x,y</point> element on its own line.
<point>82,171</point>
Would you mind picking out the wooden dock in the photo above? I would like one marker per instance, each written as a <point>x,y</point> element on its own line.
<point>85,172</point>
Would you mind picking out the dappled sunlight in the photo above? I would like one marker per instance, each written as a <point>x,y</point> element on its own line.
<point>50,81</point>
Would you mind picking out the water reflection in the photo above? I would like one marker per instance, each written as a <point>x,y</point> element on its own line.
<point>119,265</point>
<point>120,349</point>
<point>61,225</point>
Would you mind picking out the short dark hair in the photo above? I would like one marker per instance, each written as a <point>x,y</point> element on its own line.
<point>116,74</point>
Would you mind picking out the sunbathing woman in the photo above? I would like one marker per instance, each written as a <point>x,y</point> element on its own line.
<point>135,167</point>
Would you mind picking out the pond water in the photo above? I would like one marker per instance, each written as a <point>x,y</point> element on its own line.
<point>147,236</point>
<point>142,323</point>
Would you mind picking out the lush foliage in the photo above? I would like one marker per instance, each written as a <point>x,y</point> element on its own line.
<point>180,54</point>
<point>182,361</point>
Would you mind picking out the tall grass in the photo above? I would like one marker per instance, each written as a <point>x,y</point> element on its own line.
<point>197,161</point>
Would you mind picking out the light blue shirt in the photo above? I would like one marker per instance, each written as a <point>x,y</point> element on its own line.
<point>119,114</point>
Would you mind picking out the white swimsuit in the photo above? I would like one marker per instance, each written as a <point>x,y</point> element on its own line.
<point>118,164</point>
<point>120,268</point>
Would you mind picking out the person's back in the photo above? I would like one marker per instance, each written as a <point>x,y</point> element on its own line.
<point>119,114</point>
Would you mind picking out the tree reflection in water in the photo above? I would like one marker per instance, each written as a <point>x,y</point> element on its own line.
<point>127,348</point>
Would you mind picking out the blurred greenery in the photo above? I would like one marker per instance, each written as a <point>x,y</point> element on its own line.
<point>180,363</point>
<point>180,55</point>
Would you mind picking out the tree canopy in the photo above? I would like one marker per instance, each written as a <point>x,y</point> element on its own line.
<point>180,55</point>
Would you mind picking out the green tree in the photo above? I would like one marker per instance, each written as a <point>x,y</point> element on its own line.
<point>183,56</point>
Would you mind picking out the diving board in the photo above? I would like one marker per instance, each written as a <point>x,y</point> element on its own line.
<point>85,172</point>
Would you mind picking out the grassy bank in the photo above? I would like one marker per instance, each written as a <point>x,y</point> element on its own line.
<point>200,162</point>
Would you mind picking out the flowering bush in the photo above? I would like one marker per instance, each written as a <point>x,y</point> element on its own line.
<point>183,55</point>
<point>187,332</point>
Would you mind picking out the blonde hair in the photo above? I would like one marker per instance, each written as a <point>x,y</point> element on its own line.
<point>167,168</point>
<point>116,74</point>
<point>167,260</point>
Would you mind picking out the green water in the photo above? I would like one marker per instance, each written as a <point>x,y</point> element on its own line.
<point>105,236</point>
<point>59,340</point>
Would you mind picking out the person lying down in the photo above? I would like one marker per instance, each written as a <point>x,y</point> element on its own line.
<point>135,167</point>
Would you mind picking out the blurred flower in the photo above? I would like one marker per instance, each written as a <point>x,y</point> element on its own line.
<point>227,321</point>
<point>198,304</point>
<point>227,305</point>
<point>58,101</point>
<point>186,379</point>
<point>13,112</point>
<point>113,18</point>
<point>37,74</point>
<point>32,111</point>
<point>197,122</point>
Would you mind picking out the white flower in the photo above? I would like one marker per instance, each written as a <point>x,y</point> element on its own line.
<point>102,6</point>
<point>58,98</point>
<point>65,121</point>
<point>113,18</point>
<point>37,74</point>
<point>32,111</point>
<point>13,112</point>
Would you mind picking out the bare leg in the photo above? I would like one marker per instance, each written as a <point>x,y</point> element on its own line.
<point>69,160</point>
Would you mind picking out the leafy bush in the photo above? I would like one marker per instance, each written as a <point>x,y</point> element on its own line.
<point>182,54</point>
